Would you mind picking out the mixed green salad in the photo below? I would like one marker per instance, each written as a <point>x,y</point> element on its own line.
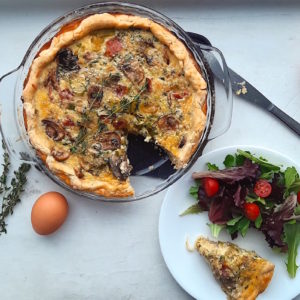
<point>251,192</point>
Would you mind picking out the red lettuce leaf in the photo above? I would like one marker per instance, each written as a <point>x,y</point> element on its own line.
<point>248,170</point>
<point>220,210</point>
<point>277,189</point>
<point>240,196</point>
<point>272,225</point>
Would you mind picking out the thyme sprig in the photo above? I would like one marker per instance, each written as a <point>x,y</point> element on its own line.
<point>12,195</point>
<point>126,104</point>
<point>6,164</point>
<point>79,144</point>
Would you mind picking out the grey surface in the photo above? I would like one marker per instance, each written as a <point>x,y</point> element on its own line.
<point>111,251</point>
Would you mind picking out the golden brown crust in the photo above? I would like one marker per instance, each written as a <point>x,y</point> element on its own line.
<point>72,33</point>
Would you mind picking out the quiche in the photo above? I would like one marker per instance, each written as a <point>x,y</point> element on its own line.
<point>101,78</point>
<point>242,274</point>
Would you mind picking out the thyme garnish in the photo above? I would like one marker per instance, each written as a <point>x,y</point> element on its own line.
<point>126,103</point>
<point>13,193</point>
<point>79,144</point>
<point>101,126</point>
<point>6,164</point>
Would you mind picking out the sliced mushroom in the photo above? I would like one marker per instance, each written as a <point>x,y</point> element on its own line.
<point>60,155</point>
<point>67,61</point>
<point>89,56</point>
<point>53,130</point>
<point>168,123</point>
<point>95,95</point>
<point>133,71</point>
<point>109,140</point>
<point>147,42</point>
<point>120,166</point>
<point>112,79</point>
<point>182,142</point>
<point>150,55</point>
<point>150,60</point>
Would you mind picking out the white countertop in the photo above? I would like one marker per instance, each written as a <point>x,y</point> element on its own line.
<point>111,251</point>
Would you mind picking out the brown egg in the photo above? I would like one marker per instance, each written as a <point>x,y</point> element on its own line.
<point>49,212</point>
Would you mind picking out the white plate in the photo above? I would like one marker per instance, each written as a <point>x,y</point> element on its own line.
<point>189,269</point>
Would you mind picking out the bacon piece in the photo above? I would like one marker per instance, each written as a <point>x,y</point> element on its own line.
<point>119,123</point>
<point>79,172</point>
<point>51,81</point>
<point>52,84</point>
<point>68,122</point>
<point>113,46</point>
<point>65,94</point>
<point>105,119</point>
<point>149,85</point>
<point>121,90</point>
<point>177,95</point>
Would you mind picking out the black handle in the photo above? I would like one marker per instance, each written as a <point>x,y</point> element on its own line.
<point>254,94</point>
<point>290,122</point>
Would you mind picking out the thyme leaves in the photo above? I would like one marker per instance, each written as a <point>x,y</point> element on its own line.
<point>11,194</point>
<point>6,165</point>
<point>126,103</point>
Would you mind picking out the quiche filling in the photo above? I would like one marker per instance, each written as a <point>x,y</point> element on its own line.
<point>97,89</point>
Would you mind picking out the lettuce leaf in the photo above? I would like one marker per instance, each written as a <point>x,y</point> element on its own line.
<point>229,161</point>
<point>212,167</point>
<point>215,229</point>
<point>193,209</point>
<point>290,175</point>
<point>292,238</point>
<point>261,161</point>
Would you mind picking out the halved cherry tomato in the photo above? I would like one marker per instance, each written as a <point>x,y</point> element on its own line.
<point>211,186</point>
<point>298,197</point>
<point>252,211</point>
<point>262,188</point>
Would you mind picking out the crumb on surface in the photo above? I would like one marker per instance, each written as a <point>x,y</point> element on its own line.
<point>243,90</point>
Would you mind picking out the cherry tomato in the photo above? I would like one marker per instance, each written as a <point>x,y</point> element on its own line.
<point>211,186</point>
<point>298,197</point>
<point>262,188</point>
<point>251,211</point>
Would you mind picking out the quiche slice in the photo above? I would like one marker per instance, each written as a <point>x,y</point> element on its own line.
<point>242,274</point>
<point>101,78</point>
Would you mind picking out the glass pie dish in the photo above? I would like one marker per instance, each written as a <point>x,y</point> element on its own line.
<point>150,175</point>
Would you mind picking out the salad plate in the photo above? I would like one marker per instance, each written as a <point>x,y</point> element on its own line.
<point>189,269</point>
